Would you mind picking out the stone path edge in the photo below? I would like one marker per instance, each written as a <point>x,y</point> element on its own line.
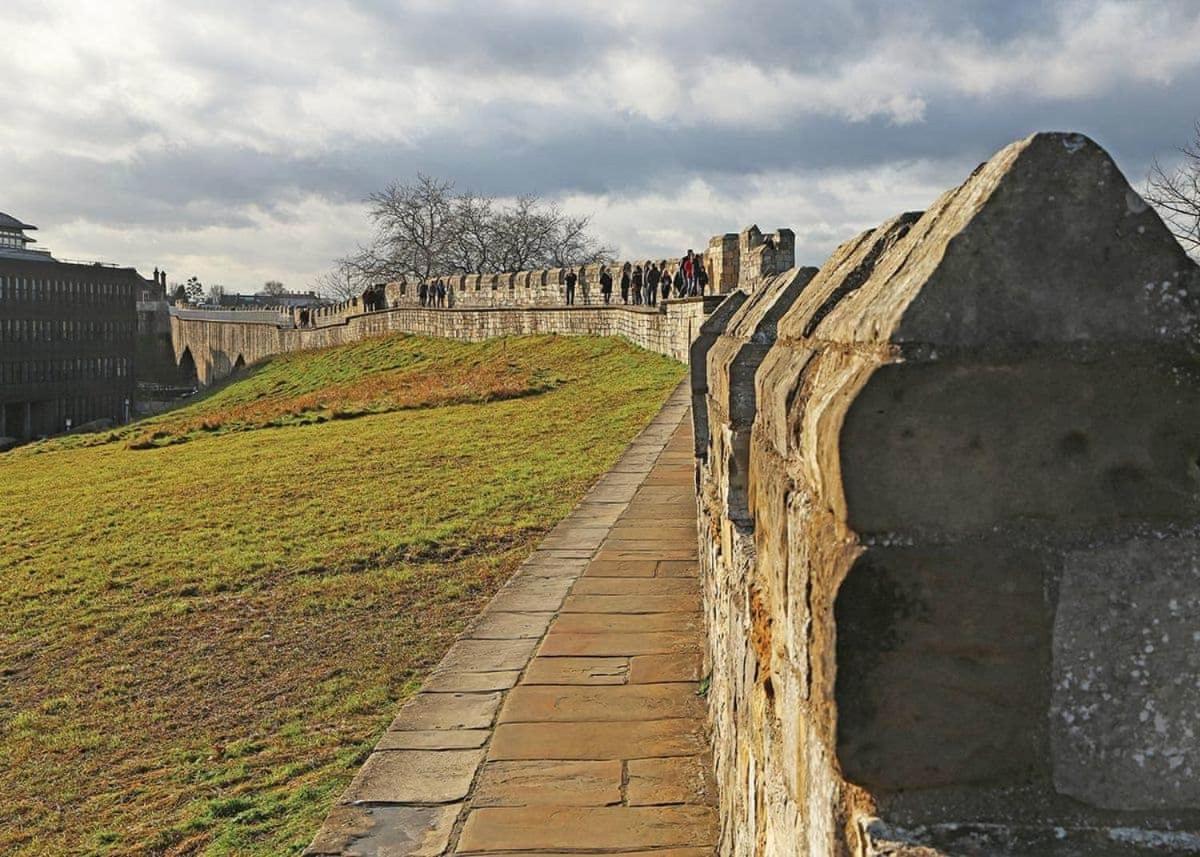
<point>410,794</point>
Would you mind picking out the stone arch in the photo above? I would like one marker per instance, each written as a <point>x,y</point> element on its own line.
<point>188,374</point>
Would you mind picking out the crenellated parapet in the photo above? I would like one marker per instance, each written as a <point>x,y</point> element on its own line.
<point>950,530</point>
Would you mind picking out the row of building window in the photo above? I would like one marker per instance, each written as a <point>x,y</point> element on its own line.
<point>77,369</point>
<point>70,292</point>
<point>63,330</point>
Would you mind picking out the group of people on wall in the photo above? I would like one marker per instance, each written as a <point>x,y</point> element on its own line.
<point>642,287</point>
<point>636,285</point>
<point>434,294</point>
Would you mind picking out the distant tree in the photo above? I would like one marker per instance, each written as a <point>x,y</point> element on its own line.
<point>216,292</point>
<point>180,293</point>
<point>194,288</point>
<point>273,287</point>
<point>343,282</point>
<point>1176,194</point>
<point>415,229</point>
<point>424,230</point>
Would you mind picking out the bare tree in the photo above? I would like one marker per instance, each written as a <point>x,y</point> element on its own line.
<point>343,282</point>
<point>424,230</point>
<point>573,245</point>
<point>416,229</point>
<point>215,293</point>
<point>273,287</point>
<point>473,248</point>
<point>524,234</point>
<point>1176,194</point>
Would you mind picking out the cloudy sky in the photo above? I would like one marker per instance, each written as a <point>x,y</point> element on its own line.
<point>236,140</point>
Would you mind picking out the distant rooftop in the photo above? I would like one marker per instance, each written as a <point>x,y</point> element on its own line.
<point>14,242</point>
<point>8,223</point>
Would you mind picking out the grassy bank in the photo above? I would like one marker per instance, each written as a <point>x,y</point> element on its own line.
<point>206,619</point>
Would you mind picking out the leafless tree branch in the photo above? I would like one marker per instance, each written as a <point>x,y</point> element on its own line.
<point>1176,194</point>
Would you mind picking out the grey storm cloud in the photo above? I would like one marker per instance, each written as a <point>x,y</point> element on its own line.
<point>228,115</point>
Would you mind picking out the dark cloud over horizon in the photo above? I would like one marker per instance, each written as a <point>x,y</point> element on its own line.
<point>238,141</point>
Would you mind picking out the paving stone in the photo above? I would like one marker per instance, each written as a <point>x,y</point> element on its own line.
<point>685,541</point>
<point>678,568</point>
<point>597,512</point>
<point>623,568</point>
<point>639,530</point>
<point>414,776</point>
<point>394,831</point>
<point>577,671</point>
<point>447,711</point>
<point>551,783</point>
<point>566,553</point>
<point>529,599</point>
<point>676,780</point>
<point>653,669</point>
<point>616,477</point>
<point>636,586</point>
<point>526,704</point>
<point>658,852</point>
<point>612,828</point>
<point>632,604</point>
<point>488,655</point>
<point>599,623</point>
<point>574,539</point>
<point>609,740</point>
<point>464,682</point>
<point>434,739</point>
<point>540,567</point>
<point>677,553</point>
<point>566,643</point>
<point>499,625</point>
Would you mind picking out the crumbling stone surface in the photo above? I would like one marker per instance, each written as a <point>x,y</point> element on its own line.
<point>970,487</point>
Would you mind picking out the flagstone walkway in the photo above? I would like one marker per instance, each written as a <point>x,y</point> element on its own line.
<point>568,718</point>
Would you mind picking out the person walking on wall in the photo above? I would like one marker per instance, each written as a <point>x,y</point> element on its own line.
<point>625,283</point>
<point>653,276</point>
<point>688,264</point>
<point>701,277</point>
<point>636,285</point>
<point>569,281</point>
<point>423,292</point>
<point>605,284</point>
<point>441,294</point>
<point>679,282</point>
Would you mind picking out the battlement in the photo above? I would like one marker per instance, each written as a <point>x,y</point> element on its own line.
<point>948,517</point>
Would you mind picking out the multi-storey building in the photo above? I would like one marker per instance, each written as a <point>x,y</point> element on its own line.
<point>67,336</point>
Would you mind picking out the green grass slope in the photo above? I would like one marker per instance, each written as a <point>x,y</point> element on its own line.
<point>207,618</point>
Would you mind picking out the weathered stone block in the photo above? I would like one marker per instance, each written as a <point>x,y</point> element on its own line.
<point>968,420</point>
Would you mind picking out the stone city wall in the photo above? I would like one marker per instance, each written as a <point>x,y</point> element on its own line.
<point>479,306</point>
<point>217,347</point>
<point>731,261</point>
<point>950,529</point>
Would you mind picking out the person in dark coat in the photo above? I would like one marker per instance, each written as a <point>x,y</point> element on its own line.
<point>605,284</point>
<point>701,278</point>
<point>441,294</point>
<point>569,281</point>
<point>653,276</point>
<point>635,285</point>
<point>625,283</point>
<point>678,283</point>
<point>423,293</point>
